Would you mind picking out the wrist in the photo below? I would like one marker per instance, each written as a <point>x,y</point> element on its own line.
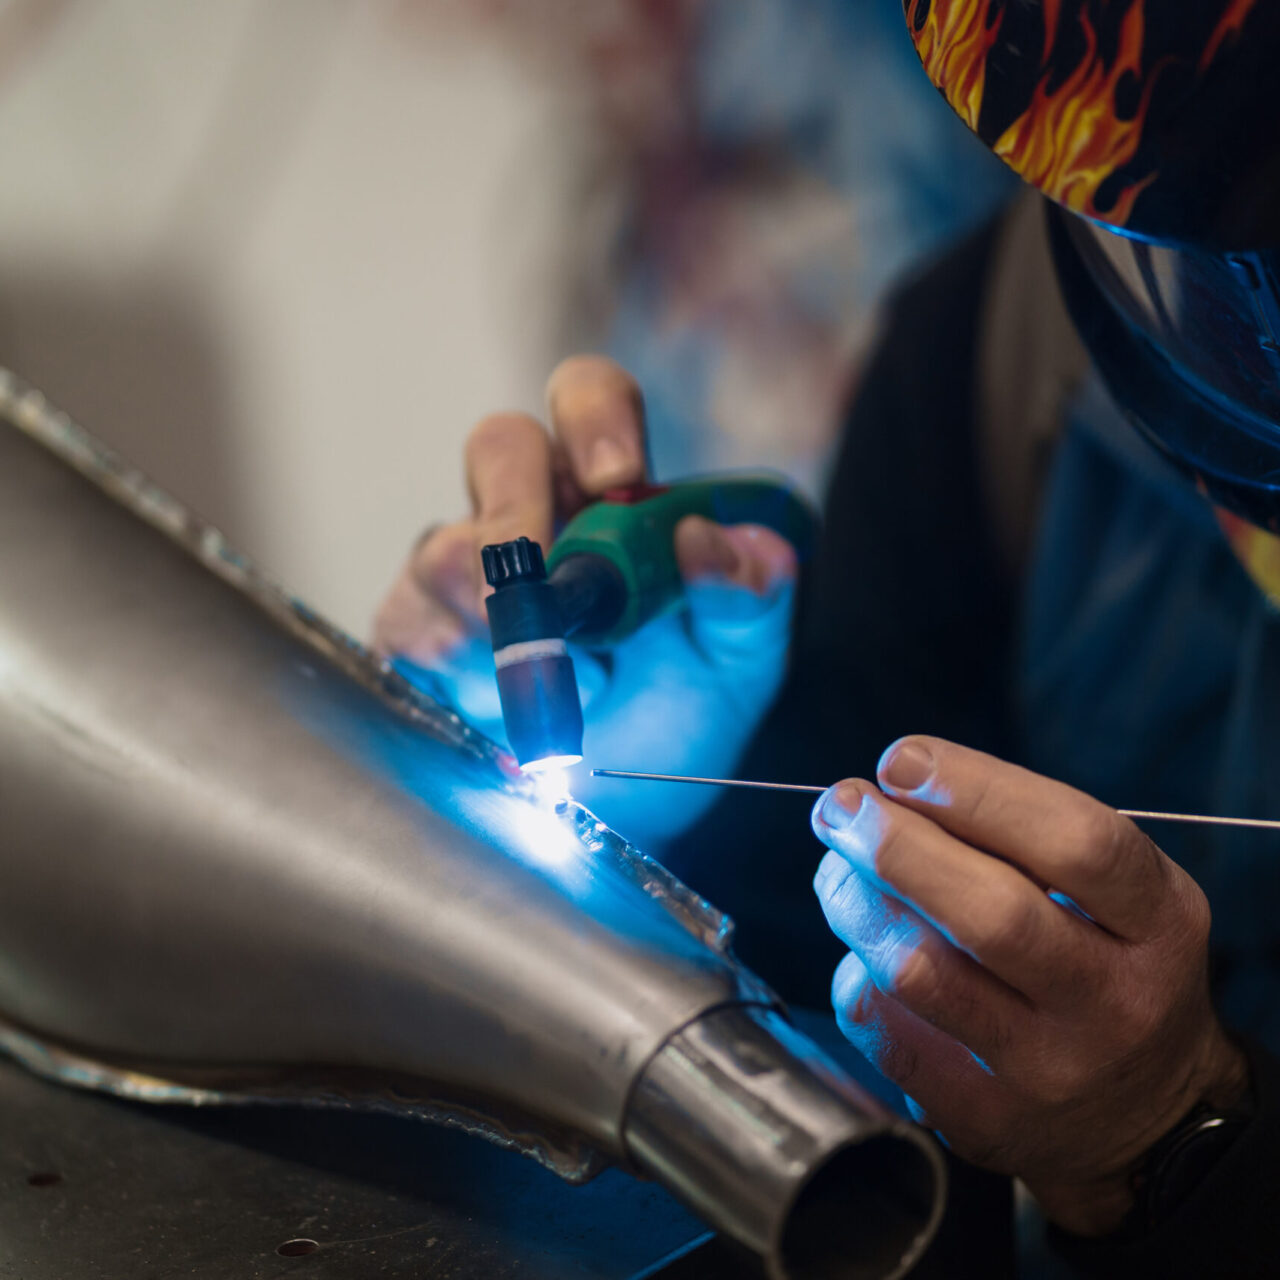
<point>1101,1205</point>
<point>1226,1080</point>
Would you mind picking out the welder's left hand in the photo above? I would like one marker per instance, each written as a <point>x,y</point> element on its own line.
<point>1027,966</point>
<point>683,694</point>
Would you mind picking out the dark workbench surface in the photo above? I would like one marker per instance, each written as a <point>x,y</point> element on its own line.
<point>95,1189</point>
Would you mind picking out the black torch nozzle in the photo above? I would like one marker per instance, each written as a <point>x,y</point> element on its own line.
<point>530,617</point>
<point>536,683</point>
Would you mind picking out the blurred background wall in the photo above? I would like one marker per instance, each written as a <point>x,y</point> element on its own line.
<point>284,253</point>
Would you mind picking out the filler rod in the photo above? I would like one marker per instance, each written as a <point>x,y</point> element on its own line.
<point>1260,824</point>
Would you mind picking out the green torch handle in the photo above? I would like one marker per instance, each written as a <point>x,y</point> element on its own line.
<point>635,532</point>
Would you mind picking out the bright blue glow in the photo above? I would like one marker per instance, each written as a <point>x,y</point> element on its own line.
<point>546,837</point>
<point>1070,904</point>
<point>550,764</point>
<point>979,1062</point>
<point>551,781</point>
<point>681,696</point>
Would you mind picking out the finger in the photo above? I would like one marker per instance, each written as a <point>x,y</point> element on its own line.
<point>1065,838</point>
<point>508,460</point>
<point>597,417</point>
<point>744,555</point>
<point>909,960</point>
<point>431,608</point>
<point>984,906</point>
<point>924,1062</point>
<point>740,588</point>
<point>446,569</point>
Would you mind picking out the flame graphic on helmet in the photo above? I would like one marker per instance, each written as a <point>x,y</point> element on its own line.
<point>1258,550</point>
<point>1228,27</point>
<point>1069,141</point>
<point>1070,138</point>
<point>953,43</point>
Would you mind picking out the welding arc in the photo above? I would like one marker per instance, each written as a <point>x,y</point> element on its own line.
<point>1258,824</point>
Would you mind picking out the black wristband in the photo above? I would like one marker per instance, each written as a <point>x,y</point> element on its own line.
<point>1180,1161</point>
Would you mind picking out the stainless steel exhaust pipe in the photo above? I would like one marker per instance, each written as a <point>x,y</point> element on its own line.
<point>757,1131</point>
<point>241,859</point>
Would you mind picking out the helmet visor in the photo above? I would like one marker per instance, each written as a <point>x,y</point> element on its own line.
<point>1189,343</point>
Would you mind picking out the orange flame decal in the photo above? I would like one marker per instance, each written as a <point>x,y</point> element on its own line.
<point>953,44</point>
<point>1052,12</point>
<point>1070,141</point>
<point>1228,25</point>
<point>1257,549</point>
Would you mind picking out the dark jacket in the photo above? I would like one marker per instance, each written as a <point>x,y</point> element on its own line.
<point>924,611</point>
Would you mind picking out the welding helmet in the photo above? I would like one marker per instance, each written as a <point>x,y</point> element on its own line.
<point>1154,128</point>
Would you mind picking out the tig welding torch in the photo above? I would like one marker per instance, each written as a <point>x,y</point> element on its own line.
<point>612,569</point>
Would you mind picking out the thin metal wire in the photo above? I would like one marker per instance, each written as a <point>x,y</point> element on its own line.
<point>709,782</point>
<point>1261,824</point>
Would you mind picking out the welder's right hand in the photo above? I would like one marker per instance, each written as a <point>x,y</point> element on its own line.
<point>684,693</point>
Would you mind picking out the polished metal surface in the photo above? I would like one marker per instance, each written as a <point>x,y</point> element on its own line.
<point>243,860</point>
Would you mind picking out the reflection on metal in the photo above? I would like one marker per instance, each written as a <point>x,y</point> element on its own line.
<point>244,860</point>
<point>564,1153</point>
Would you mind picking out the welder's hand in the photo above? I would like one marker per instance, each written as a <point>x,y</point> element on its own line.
<point>1027,966</point>
<point>682,694</point>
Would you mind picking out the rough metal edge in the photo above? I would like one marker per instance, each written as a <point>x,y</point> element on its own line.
<point>565,1155</point>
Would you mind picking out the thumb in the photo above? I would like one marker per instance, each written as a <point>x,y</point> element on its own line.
<point>740,584</point>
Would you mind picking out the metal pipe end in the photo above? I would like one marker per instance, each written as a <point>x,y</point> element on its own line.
<point>751,1126</point>
<point>868,1213</point>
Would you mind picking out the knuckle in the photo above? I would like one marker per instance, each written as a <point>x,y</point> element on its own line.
<point>984,804</point>
<point>1197,916</point>
<point>896,1060</point>
<point>841,895</point>
<point>1100,840</point>
<point>855,1000</point>
<point>859,1016</point>
<point>441,553</point>
<point>848,983</point>
<point>1011,920</point>
<point>915,980</point>
<point>891,843</point>
<point>444,570</point>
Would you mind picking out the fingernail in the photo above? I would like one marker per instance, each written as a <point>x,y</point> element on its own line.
<point>906,766</point>
<point>705,550</point>
<point>840,807</point>
<point>608,463</point>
